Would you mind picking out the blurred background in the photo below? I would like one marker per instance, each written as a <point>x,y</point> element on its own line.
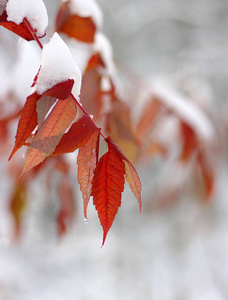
<point>174,251</point>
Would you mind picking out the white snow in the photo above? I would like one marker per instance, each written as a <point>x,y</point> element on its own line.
<point>105,84</point>
<point>185,109</point>
<point>4,78</point>
<point>25,69</point>
<point>33,10</point>
<point>103,46</point>
<point>81,52</point>
<point>57,66</point>
<point>87,8</point>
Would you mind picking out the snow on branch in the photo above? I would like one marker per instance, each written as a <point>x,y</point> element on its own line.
<point>185,109</point>
<point>33,10</point>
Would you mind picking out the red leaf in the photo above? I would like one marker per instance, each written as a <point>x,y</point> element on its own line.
<point>77,136</point>
<point>208,174</point>
<point>20,29</point>
<point>27,122</point>
<point>61,90</point>
<point>87,160</point>
<point>50,133</point>
<point>107,186</point>
<point>130,172</point>
<point>75,26</point>
<point>95,62</point>
<point>190,141</point>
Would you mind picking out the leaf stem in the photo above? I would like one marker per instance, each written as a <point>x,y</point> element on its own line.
<point>82,109</point>
<point>33,33</point>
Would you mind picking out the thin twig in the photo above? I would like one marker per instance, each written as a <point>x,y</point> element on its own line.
<point>33,33</point>
<point>82,109</point>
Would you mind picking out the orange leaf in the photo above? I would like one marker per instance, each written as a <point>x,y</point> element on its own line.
<point>87,160</point>
<point>148,118</point>
<point>27,122</point>
<point>95,62</point>
<point>20,29</point>
<point>43,106</point>
<point>91,97</point>
<point>130,172</point>
<point>17,205</point>
<point>107,186</point>
<point>120,127</point>
<point>134,181</point>
<point>50,133</point>
<point>80,28</point>
<point>154,148</point>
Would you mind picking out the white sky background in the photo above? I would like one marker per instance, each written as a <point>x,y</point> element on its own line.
<point>176,254</point>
